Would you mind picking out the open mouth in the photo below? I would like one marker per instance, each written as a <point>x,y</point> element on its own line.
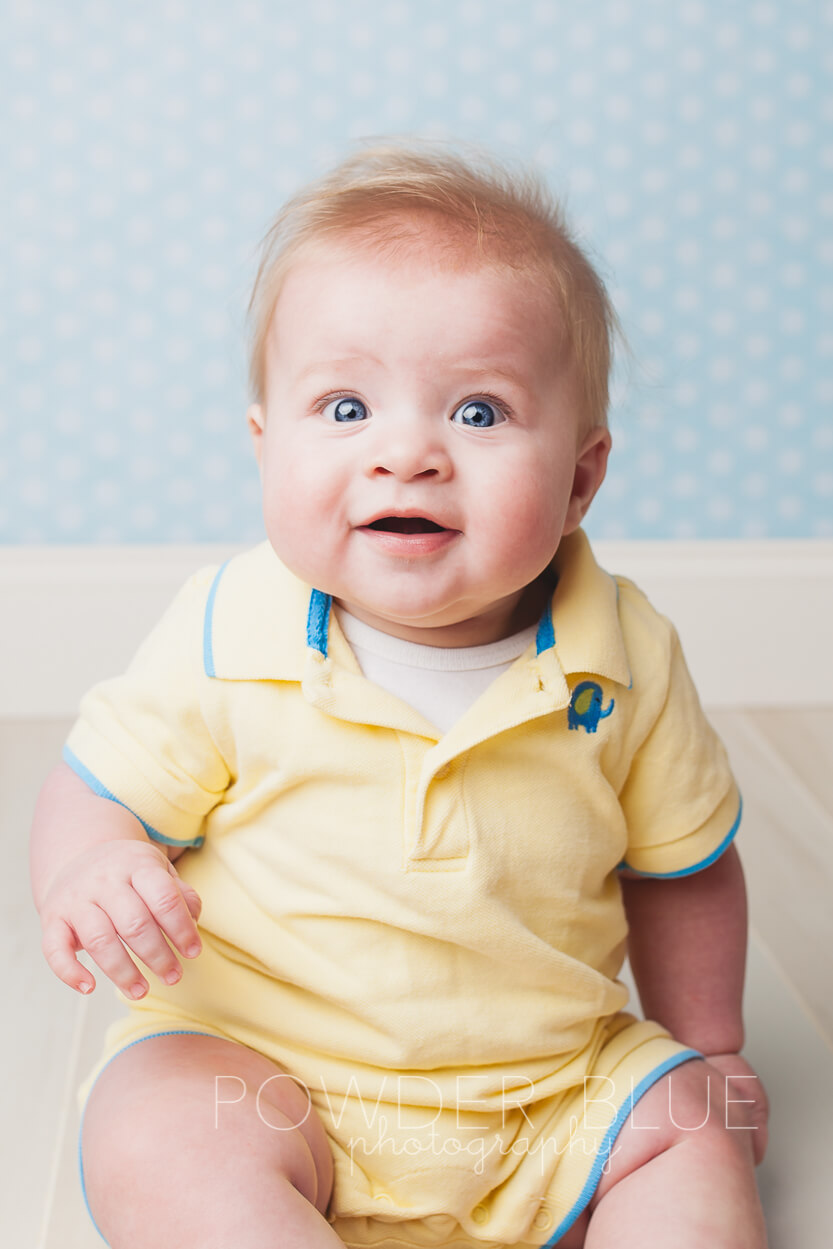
<point>405,524</point>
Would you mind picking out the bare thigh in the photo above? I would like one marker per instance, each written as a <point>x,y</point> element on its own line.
<point>180,1128</point>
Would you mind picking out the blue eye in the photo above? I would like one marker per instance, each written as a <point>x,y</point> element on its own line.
<point>346,410</point>
<point>478,414</point>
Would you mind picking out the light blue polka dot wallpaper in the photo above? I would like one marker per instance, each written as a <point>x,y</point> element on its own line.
<point>145,147</point>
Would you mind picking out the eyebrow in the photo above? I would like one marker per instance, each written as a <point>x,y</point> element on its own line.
<point>324,366</point>
<point>469,368</point>
<point>486,368</point>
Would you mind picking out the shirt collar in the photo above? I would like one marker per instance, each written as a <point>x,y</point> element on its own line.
<point>261,620</point>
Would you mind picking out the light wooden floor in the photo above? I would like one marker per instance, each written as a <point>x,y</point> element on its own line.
<point>784,762</point>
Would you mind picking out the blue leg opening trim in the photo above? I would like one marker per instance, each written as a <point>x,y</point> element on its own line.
<point>610,1139</point>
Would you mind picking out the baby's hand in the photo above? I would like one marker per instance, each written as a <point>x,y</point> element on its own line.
<point>119,891</point>
<point>744,1085</point>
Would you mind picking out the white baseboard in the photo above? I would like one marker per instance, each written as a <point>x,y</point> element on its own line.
<point>755,617</point>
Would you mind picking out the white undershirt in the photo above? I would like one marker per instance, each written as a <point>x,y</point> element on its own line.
<point>441,682</point>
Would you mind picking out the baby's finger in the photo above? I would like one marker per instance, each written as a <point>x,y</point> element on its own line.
<point>141,930</point>
<point>97,934</point>
<point>162,894</point>
<point>59,948</point>
<point>189,893</point>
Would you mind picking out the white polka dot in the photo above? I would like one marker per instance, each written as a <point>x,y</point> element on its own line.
<point>762,108</point>
<point>757,298</point>
<point>723,322</point>
<point>688,252</point>
<point>215,467</point>
<point>581,133</point>
<point>726,35</point>
<point>757,346</point>
<point>790,461</point>
<point>544,60</point>
<point>756,437</point>
<point>724,276</point>
<point>649,509</point>
<point>655,132</point>
<point>619,59</point>
<point>582,84</point>
<point>652,463</point>
<point>722,368</point>
<point>721,462</point>
<point>795,228</point>
<point>789,506</point>
<point>727,133</point>
<point>799,85</point>
<point>654,228</point>
<point>30,397</point>
<point>179,398</point>
<point>509,34</point>
<point>652,323</point>
<point>790,416</point>
<point>687,299</point>
<point>720,507</point>
<point>791,368</point>
<point>181,490</point>
<point>792,321</point>
<point>754,485</point>
<point>761,156</point>
<point>756,393</point>
<point>686,394</point>
<point>689,204</point>
<point>762,61</point>
<point>687,346</point>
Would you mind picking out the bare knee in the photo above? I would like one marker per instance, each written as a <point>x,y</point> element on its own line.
<point>685,1109</point>
<point>196,1123</point>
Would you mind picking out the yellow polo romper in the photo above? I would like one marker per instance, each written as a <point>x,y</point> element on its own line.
<point>426,929</point>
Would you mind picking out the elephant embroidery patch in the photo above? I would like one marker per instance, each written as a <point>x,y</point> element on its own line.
<point>585,710</point>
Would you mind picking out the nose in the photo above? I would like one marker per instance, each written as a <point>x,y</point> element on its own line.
<point>408,450</point>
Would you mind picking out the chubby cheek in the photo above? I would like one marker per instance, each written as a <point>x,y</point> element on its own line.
<point>298,509</point>
<point>526,518</point>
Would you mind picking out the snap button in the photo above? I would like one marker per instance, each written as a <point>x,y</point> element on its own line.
<point>543,1219</point>
<point>480,1214</point>
<point>385,1198</point>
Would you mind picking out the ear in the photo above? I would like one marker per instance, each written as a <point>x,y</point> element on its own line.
<point>254,419</point>
<point>591,466</point>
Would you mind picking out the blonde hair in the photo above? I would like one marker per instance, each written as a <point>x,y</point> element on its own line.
<point>507,216</point>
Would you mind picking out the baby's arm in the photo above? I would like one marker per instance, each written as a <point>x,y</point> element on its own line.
<point>98,880</point>
<point>687,948</point>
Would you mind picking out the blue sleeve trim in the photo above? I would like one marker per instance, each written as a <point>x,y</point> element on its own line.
<point>208,626</point>
<point>103,792</point>
<point>318,619</point>
<point>610,1137</point>
<point>698,867</point>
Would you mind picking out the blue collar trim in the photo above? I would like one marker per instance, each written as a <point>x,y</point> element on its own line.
<point>545,637</point>
<point>318,618</point>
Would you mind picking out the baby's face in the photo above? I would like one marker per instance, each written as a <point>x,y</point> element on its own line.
<point>420,449</point>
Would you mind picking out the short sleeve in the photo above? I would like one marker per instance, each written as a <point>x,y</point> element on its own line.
<point>142,739</point>
<point>680,800</point>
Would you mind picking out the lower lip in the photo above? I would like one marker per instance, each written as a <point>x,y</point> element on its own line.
<point>410,544</point>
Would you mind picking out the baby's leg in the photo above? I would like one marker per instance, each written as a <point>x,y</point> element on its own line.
<point>667,1185</point>
<point>173,1160</point>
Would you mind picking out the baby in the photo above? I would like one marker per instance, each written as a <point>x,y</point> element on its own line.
<point>427,772</point>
